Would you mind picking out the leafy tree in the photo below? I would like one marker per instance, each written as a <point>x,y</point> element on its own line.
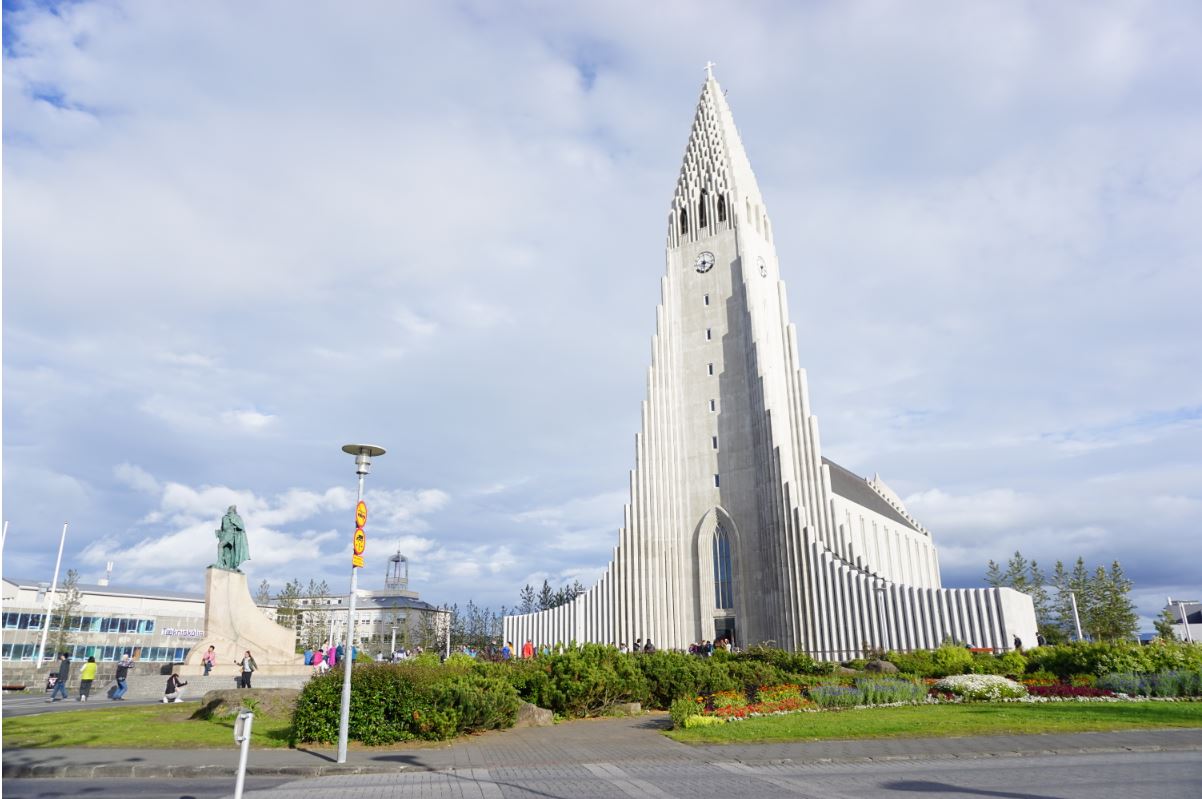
<point>263,595</point>
<point>315,620</point>
<point>65,613</point>
<point>287,605</point>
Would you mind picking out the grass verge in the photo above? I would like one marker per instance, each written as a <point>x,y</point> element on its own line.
<point>936,721</point>
<point>140,727</point>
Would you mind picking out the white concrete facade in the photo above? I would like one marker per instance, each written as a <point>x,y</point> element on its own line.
<point>729,477</point>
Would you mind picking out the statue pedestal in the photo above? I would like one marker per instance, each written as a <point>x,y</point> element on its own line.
<point>234,624</point>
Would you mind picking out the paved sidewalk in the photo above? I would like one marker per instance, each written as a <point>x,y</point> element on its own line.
<point>627,740</point>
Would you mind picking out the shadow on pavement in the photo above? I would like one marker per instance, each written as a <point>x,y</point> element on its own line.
<point>925,787</point>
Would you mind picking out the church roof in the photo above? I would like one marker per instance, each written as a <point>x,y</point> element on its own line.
<point>854,488</point>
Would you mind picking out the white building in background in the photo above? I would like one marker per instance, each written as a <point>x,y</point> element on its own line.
<point>737,525</point>
<point>1187,618</point>
<point>153,624</point>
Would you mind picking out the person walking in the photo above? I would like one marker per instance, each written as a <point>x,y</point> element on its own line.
<point>86,676</point>
<point>122,675</point>
<point>64,674</point>
<point>174,686</point>
<point>319,657</point>
<point>248,667</point>
<point>209,660</point>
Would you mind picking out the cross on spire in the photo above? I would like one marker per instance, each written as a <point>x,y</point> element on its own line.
<point>709,70</point>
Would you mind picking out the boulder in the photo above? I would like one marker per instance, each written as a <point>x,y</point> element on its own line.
<point>881,667</point>
<point>626,709</point>
<point>533,716</point>
<point>845,670</point>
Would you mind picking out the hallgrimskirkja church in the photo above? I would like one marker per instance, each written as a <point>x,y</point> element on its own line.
<point>738,527</point>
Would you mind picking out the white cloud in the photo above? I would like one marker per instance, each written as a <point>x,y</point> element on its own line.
<point>222,271</point>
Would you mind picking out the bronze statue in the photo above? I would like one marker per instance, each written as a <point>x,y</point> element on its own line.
<point>231,542</point>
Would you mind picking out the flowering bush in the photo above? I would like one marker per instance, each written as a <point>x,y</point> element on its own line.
<point>889,691</point>
<point>1064,691</point>
<point>828,696</point>
<point>728,699</point>
<point>979,687</point>
<point>1162,684</point>
<point>778,693</point>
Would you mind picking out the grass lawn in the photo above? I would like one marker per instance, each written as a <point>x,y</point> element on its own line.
<point>141,727</point>
<point>933,721</point>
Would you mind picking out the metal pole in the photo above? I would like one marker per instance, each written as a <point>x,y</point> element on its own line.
<point>1076,618</point>
<point>1189,636</point>
<point>344,718</point>
<point>4,535</point>
<point>242,735</point>
<point>50,599</point>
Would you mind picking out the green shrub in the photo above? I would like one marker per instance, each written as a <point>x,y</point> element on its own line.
<point>391,703</point>
<point>1083,657</point>
<point>585,681</point>
<point>672,675</point>
<point>682,710</point>
<point>1164,684</point>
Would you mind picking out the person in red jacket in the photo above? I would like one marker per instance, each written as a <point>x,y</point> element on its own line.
<point>528,649</point>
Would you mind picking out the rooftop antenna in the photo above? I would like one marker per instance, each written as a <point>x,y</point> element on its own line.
<point>108,573</point>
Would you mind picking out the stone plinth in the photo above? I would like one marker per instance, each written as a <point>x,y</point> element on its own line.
<point>234,624</point>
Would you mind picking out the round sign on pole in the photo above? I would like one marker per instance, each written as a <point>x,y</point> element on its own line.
<point>361,514</point>
<point>360,540</point>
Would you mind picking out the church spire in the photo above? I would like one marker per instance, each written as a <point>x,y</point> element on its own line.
<point>716,185</point>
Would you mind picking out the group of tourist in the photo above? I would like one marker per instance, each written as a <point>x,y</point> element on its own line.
<point>706,648</point>
<point>323,658</point>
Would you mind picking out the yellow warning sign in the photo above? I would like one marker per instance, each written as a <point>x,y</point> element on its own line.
<point>361,514</point>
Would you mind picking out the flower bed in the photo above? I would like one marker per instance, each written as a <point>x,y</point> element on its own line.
<point>1063,691</point>
<point>978,688</point>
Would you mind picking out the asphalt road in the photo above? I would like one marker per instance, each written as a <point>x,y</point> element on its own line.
<point>126,789</point>
<point>1131,775</point>
<point>33,704</point>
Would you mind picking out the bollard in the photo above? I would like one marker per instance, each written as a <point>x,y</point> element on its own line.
<point>242,727</point>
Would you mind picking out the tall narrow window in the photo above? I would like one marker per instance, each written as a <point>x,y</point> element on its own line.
<point>701,215</point>
<point>709,334</point>
<point>721,207</point>
<point>711,369</point>
<point>707,299</point>
<point>716,482</point>
<point>714,441</point>
<point>723,589</point>
<point>684,220</point>
<point>713,405</point>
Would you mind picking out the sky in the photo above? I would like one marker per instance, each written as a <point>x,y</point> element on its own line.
<point>240,235</point>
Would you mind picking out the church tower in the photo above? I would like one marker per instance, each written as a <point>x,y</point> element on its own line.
<point>737,527</point>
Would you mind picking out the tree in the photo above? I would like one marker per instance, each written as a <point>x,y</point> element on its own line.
<point>263,595</point>
<point>546,597</point>
<point>526,599</point>
<point>287,605</point>
<point>66,611</point>
<point>1025,576</point>
<point>315,624</point>
<point>1165,625</point>
<point>1112,613</point>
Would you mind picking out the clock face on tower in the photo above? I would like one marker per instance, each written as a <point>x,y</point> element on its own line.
<point>704,262</point>
<point>763,268</point>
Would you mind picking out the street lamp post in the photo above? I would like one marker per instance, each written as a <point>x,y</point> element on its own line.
<point>884,631</point>
<point>363,454</point>
<point>50,600</point>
